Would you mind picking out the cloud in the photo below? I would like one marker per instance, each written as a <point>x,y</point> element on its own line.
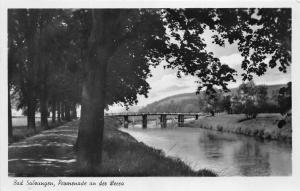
<point>170,82</point>
<point>233,60</point>
<point>218,50</point>
<point>165,83</point>
<point>272,76</point>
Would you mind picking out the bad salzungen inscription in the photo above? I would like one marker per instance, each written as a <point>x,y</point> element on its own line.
<point>24,182</point>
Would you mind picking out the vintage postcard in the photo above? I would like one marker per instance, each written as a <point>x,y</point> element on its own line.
<point>152,95</point>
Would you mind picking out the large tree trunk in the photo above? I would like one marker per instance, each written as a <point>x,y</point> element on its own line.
<point>90,135</point>
<point>91,127</point>
<point>10,130</point>
<point>31,106</point>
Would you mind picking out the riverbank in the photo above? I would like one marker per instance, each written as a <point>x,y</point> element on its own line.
<point>263,126</point>
<point>50,154</point>
<point>125,156</point>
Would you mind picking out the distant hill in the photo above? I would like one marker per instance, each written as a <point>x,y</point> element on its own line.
<point>188,102</point>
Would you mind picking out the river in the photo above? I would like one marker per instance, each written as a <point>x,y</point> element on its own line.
<point>225,153</point>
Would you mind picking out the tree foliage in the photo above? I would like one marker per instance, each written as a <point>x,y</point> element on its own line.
<point>285,98</point>
<point>259,33</point>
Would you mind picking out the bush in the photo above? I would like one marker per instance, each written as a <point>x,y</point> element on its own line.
<point>261,133</point>
<point>285,98</point>
<point>281,123</point>
<point>250,109</point>
<point>269,108</point>
<point>237,108</point>
<point>219,128</point>
<point>255,132</point>
<point>238,130</point>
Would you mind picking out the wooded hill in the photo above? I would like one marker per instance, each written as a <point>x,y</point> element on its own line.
<point>189,102</point>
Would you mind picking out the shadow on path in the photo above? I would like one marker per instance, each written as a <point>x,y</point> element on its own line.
<point>49,153</point>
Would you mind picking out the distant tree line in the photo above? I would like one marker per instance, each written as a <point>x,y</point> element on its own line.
<point>249,99</point>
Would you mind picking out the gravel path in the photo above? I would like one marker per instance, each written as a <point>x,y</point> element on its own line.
<point>49,153</point>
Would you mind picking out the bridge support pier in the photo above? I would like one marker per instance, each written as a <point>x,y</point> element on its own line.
<point>180,120</point>
<point>163,121</point>
<point>126,122</point>
<point>196,117</point>
<point>144,121</point>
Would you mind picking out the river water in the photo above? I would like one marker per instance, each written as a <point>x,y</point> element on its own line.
<point>225,153</point>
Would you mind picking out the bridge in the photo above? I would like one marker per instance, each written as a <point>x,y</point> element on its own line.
<point>163,117</point>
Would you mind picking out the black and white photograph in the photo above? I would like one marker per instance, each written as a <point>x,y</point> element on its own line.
<point>154,92</point>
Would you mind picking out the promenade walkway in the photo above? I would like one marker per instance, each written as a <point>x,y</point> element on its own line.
<point>49,153</point>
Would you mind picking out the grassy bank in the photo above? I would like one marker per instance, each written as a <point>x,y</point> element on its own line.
<point>263,126</point>
<point>124,156</point>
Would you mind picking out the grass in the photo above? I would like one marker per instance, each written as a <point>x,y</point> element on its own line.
<point>263,126</point>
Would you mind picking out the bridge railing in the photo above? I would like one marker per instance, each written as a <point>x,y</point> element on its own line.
<point>163,117</point>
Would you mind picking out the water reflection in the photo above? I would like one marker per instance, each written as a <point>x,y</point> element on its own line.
<point>251,160</point>
<point>227,154</point>
<point>212,146</point>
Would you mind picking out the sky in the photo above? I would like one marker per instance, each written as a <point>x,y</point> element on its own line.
<point>164,82</point>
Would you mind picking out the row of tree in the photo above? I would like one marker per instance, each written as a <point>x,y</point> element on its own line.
<point>58,59</point>
<point>97,57</point>
<point>249,99</point>
<point>37,64</point>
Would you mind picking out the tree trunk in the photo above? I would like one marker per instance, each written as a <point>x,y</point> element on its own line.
<point>90,134</point>
<point>31,114</point>
<point>73,111</point>
<point>62,111</point>
<point>67,112</point>
<point>59,112</point>
<point>53,112</point>
<point>44,111</point>
<point>91,127</point>
<point>10,130</point>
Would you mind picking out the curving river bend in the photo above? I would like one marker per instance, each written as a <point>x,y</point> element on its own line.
<point>224,153</point>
